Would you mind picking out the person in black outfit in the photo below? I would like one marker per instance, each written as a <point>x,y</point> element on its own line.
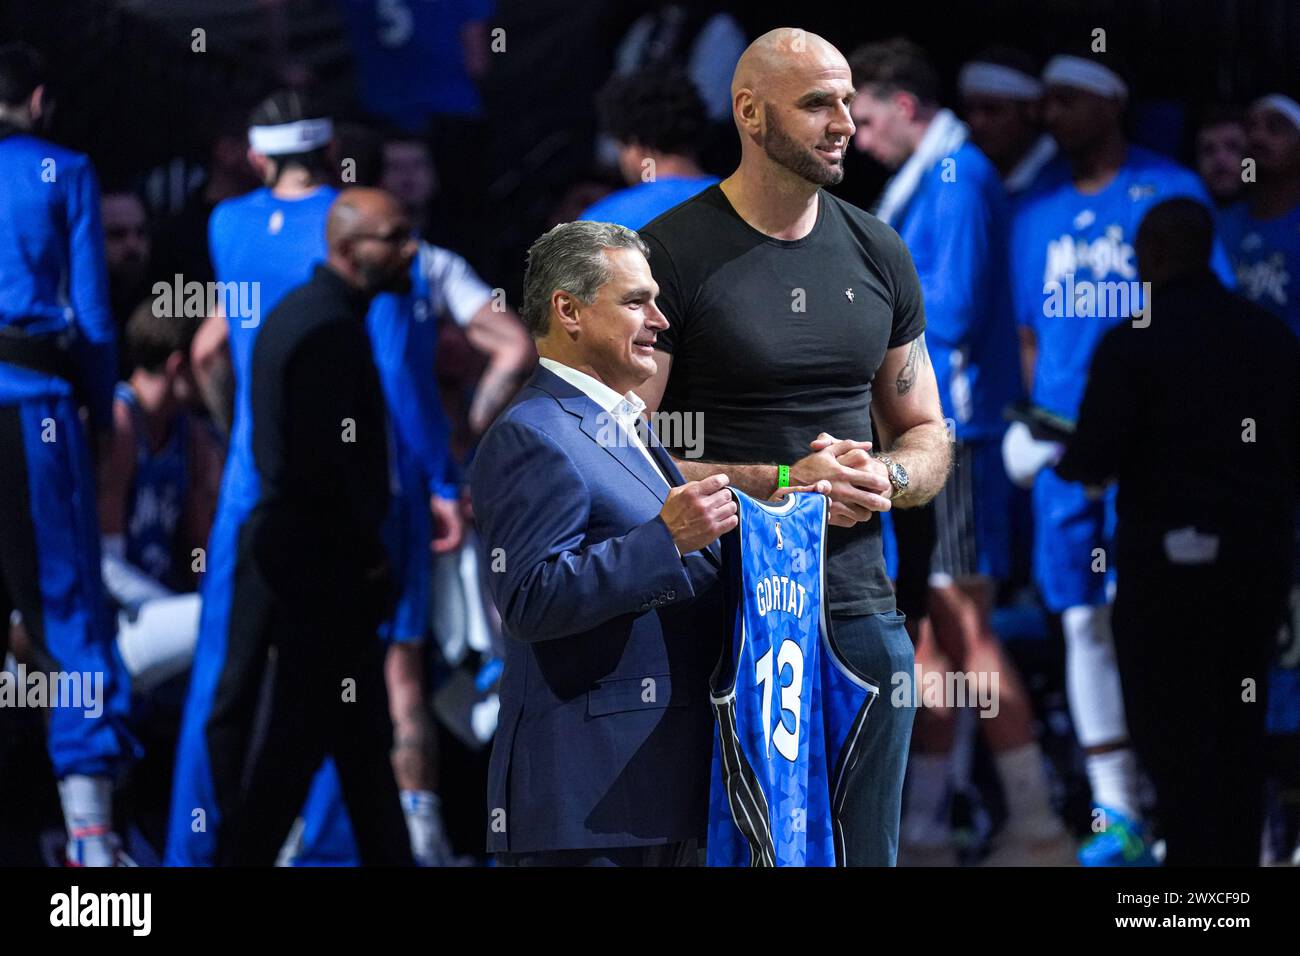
<point>304,675</point>
<point>1197,415</point>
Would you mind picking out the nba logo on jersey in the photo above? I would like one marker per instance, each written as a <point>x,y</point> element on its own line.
<point>789,708</point>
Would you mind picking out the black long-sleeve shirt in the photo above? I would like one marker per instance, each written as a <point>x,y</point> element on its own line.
<point>1196,415</point>
<point>319,442</point>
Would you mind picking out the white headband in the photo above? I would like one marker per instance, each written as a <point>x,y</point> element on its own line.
<point>299,137</point>
<point>1084,74</point>
<point>994,79</point>
<point>1279,103</point>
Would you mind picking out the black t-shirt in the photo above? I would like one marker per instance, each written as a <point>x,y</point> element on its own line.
<point>774,341</point>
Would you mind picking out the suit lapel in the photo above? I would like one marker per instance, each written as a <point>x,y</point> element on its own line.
<point>606,432</point>
<point>601,428</point>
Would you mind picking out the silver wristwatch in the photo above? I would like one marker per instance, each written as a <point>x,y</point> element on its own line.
<point>897,474</point>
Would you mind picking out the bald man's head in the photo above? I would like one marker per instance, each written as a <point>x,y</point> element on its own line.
<point>790,98</point>
<point>370,241</point>
<point>358,210</point>
<point>783,55</point>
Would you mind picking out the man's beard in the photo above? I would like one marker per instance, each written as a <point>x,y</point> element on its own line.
<point>375,280</point>
<point>801,160</point>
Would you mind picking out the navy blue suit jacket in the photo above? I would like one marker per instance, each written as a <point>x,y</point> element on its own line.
<point>605,731</point>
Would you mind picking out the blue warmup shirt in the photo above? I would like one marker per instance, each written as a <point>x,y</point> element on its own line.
<point>54,299</point>
<point>1058,233</point>
<point>1265,254</point>
<point>268,245</point>
<point>635,206</point>
<point>404,335</point>
<point>273,243</point>
<point>956,232</point>
<point>53,277</point>
<point>156,500</point>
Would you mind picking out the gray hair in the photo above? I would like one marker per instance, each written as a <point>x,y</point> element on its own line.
<point>570,258</point>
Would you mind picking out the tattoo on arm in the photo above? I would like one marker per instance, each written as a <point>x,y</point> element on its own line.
<point>915,359</point>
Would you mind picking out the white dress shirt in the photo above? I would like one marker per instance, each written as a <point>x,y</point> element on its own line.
<point>624,409</point>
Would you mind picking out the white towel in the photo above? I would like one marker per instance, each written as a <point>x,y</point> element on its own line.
<point>945,135</point>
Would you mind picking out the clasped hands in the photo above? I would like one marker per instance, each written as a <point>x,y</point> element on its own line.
<point>859,484</point>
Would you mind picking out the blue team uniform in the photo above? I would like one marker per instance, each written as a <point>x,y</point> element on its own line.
<point>789,708</point>
<point>635,206</point>
<point>956,231</point>
<point>54,298</point>
<point>274,242</point>
<point>156,498</point>
<point>955,226</point>
<point>404,335</point>
<point>1060,236</point>
<point>1265,256</point>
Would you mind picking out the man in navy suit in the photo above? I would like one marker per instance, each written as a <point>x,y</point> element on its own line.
<point>606,575</point>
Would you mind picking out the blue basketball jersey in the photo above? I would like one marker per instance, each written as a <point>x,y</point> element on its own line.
<point>1073,264</point>
<point>789,708</point>
<point>157,496</point>
<point>268,245</point>
<point>1266,256</point>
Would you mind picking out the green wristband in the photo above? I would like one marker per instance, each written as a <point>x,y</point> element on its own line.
<point>782,477</point>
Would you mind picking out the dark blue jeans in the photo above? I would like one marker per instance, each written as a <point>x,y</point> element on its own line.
<point>878,645</point>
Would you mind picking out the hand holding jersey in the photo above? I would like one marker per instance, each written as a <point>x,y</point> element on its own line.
<point>699,512</point>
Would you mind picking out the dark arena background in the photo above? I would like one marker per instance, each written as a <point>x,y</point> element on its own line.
<point>1078,373</point>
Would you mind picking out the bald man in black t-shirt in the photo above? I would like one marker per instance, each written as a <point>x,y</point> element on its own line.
<point>796,321</point>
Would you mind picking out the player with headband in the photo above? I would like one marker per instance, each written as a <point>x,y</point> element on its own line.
<point>1001,98</point>
<point>1262,233</point>
<point>1075,229</point>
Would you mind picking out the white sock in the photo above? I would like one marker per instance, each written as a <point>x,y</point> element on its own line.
<point>1024,786</point>
<point>423,812</point>
<point>1114,779</point>
<point>88,811</point>
<point>924,822</point>
<point>1092,677</point>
